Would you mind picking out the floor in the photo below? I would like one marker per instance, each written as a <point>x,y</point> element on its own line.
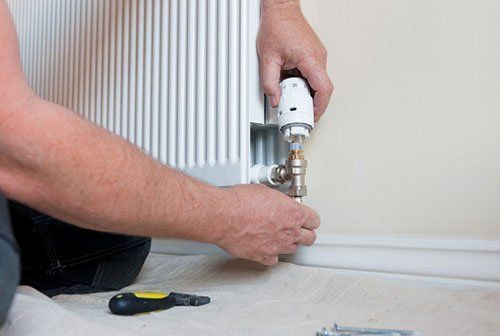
<point>249,299</point>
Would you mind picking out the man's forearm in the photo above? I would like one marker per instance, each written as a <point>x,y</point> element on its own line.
<point>61,164</point>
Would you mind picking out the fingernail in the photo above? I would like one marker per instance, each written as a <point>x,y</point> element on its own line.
<point>272,98</point>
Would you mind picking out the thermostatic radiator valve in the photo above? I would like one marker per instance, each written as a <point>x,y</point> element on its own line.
<point>295,110</point>
<point>296,121</point>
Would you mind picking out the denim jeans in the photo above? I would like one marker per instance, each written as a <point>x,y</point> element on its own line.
<point>59,258</point>
<point>9,262</point>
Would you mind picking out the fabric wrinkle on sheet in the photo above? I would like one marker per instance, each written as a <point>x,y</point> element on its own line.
<point>250,299</point>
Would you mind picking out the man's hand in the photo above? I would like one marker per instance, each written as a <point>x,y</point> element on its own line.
<point>286,41</point>
<point>265,223</point>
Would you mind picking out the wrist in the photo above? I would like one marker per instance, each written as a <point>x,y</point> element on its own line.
<point>215,216</point>
<point>225,213</point>
<point>279,8</point>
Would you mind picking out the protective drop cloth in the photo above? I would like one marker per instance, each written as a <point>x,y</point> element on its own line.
<point>249,299</point>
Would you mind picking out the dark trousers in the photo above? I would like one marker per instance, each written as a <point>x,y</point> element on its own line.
<point>59,258</point>
<point>9,262</point>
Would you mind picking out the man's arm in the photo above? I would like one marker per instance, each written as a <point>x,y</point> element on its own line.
<point>58,163</point>
<point>286,41</point>
<point>64,166</point>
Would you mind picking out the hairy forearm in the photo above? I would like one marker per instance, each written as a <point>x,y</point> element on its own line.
<point>60,164</point>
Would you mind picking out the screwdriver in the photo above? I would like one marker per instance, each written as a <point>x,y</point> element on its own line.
<point>145,302</point>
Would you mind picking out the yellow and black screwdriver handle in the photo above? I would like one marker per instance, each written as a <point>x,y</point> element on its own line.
<point>145,302</point>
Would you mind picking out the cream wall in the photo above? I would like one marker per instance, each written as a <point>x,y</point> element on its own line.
<point>411,144</point>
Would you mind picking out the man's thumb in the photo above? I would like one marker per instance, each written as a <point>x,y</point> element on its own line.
<point>270,79</point>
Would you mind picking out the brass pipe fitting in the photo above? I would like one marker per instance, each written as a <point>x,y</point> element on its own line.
<point>293,171</point>
<point>296,170</point>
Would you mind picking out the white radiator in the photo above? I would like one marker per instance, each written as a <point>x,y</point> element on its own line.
<point>178,78</point>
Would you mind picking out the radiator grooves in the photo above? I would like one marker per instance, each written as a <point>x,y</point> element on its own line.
<point>170,76</point>
<point>201,107</point>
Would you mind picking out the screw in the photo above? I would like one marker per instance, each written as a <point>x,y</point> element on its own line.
<point>323,332</point>
<point>373,331</point>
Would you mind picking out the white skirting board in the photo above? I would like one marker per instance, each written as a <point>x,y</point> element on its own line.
<point>456,260</point>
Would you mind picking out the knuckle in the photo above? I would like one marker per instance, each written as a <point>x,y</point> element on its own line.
<point>293,233</point>
<point>268,56</point>
<point>329,87</point>
<point>268,86</point>
<point>269,261</point>
<point>273,261</point>
<point>290,241</point>
<point>315,221</point>
<point>312,238</point>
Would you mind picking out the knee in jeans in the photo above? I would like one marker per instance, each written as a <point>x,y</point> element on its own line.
<point>121,269</point>
<point>9,277</point>
<point>9,261</point>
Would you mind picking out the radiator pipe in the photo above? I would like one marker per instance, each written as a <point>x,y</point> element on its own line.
<point>260,174</point>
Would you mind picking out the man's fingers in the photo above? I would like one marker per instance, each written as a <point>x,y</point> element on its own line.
<point>307,237</point>
<point>318,78</point>
<point>269,261</point>
<point>270,71</point>
<point>312,219</point>
<point>290,249</point>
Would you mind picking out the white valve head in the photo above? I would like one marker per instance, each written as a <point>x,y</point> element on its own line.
<point>295,110</point>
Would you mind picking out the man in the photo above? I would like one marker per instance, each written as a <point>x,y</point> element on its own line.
<point>53,161</point>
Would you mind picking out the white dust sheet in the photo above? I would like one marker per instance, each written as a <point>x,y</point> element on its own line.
<point>248,299</point>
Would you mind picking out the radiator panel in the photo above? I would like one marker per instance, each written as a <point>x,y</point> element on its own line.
<point>177,78</point>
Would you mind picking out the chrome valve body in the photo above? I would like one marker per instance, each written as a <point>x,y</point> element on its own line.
<point>293,171</point>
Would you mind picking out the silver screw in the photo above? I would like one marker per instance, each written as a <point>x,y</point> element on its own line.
<point>373,331</point>
<point>323,332</point>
